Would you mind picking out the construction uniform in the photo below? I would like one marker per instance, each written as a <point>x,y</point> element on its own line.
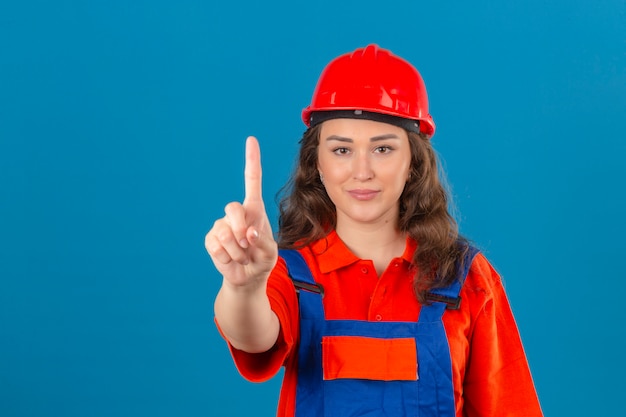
<point>368,348</point>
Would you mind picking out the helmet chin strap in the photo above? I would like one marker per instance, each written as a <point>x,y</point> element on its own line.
<point>318,117</point>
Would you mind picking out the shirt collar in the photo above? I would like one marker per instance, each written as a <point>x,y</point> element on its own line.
<point>333,254</point>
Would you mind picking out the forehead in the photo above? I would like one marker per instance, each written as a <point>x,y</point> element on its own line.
<point>359,129</point>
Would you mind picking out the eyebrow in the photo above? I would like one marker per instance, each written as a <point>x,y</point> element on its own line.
<point>372,139</point>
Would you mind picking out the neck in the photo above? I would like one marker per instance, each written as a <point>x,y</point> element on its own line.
<point>379,243</point>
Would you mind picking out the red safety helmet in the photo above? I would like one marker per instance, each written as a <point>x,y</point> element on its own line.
<point>372,79</point>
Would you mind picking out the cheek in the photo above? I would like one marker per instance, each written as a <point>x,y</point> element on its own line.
<point>322,164</point>
<point>397,171</point>
<point>333,171</point>
<point>406,168</point>
<point>335,175</point>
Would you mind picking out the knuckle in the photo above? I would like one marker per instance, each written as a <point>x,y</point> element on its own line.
<point>240,258</point>
<point>219,254</point>
<point>217,225</point>
<point>232,207</point>
<point>215,250</point>
<point>225,237</point>
<point>212,246</point>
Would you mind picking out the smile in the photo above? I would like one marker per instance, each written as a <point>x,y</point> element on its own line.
<point>363,195</point>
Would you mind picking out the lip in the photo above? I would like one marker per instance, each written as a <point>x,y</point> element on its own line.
<point>363,195</point>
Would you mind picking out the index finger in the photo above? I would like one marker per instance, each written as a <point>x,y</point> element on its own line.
<point>252,171</point>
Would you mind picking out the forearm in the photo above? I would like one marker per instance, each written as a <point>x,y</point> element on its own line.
<point>245,318</point>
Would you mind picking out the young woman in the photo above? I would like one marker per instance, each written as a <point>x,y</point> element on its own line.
<point>375,305</point>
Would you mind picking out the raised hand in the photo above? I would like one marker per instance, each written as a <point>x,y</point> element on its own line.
<point>241,243</point>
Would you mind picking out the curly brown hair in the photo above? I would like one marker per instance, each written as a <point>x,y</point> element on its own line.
<point>307,213</point>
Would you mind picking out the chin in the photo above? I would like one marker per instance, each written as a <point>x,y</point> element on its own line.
<point>368,218</point>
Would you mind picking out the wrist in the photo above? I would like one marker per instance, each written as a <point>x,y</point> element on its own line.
<point>247,288</point>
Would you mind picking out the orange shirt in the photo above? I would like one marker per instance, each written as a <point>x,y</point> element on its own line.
<point>489,368</point>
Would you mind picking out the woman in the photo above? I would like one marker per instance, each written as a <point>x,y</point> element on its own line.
<point>375,305</point>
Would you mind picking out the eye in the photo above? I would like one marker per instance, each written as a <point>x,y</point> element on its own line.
<point>341,151</point>
<point>383,149</point>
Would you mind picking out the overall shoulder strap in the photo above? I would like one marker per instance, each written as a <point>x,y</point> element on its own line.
<point>450,295</point>
<point>299,272</point>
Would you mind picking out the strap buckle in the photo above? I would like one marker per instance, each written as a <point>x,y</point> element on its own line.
<point>452,303</point>
<point>314,288</point>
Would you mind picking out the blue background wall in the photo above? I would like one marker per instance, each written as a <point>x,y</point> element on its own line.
<point>122,126</point>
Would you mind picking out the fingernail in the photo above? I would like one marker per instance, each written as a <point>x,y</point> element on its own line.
<point>243,243</point>
<point>255,234</point>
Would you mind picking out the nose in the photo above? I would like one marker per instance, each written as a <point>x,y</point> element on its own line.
<point>362,169</point>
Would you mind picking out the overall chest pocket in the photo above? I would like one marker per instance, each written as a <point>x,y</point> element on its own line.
<point>357,357</point>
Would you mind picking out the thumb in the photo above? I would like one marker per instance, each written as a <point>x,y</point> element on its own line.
<point>262,240</point>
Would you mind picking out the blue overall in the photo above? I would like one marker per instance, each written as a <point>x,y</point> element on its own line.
<point>431,392</point>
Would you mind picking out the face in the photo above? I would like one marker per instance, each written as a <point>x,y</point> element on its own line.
<point>364,166</point>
